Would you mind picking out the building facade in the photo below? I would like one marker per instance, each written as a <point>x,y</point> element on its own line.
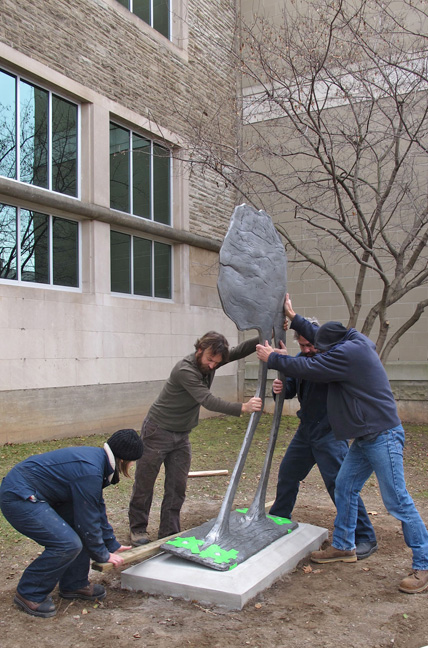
<point>109,236</point>
<point>336,139</point>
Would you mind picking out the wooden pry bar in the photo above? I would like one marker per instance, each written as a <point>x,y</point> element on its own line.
<point>208,473</point>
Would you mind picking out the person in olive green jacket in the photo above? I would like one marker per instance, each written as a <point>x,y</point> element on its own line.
<point>166,428</point>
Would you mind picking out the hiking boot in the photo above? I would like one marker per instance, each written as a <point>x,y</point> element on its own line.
<point>92,592</point>
<point>415,582</point>
<point>366,549</point>
<point>331,554</point>
<point>44,609</point>
<point>139,538</point>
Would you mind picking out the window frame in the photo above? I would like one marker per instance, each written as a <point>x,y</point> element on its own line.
<point>37,284</point>
<point>130,8</point>
<point>132,294</point>
<point>153,143</point>
<point>51,93</point>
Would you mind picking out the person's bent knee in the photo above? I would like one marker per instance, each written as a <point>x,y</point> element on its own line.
<point>72,547</point>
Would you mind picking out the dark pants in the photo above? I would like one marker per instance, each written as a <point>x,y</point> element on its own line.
<point>63,560</point>
<point>173,450</point>
<point>306,449</point>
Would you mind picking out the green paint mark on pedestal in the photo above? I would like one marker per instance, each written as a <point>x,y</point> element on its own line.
<point>190,543</point>
<point>216,553</point>
<point>219,555</point>
<point>278,520</point>
<point>275,518</point>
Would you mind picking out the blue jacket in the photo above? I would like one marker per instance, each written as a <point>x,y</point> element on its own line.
<point>312,397</point>
<point>359,400</point>
<point>74,476</point>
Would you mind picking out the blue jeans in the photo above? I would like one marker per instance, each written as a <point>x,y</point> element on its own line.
<point>308,447</point>
<point>63,560</point>
<point>384,457</point>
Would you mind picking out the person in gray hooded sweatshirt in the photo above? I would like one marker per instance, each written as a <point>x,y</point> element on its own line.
<point>360,406</point>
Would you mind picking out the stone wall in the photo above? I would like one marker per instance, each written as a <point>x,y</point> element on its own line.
<point>78,361</point>
<point>104,47</point>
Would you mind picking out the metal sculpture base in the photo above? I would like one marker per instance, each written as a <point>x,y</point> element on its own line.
<point>244,539</point>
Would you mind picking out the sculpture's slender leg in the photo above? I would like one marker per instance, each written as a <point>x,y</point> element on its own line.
<point>257,508</point>
<point>221,526</point>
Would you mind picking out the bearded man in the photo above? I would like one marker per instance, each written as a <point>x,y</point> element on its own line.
<point>166,428</point>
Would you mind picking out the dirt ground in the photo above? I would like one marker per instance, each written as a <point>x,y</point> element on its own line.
<point>354,605</point>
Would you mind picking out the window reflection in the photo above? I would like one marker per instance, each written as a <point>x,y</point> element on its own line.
<point>145,191</point>
<point>140,266</point>
<point>119,168</point>
<point>34,247</point>
<point>162,286</point>
<point>120,262</point>
<point>7,125</point>
<point>34,136</point>
<point>161,184</point>
<point>64,147</point>
<point>141,151</point>
<point>38,248</point>
<point>8,250</point>
<point>47,147</point>
<point>65,252</point>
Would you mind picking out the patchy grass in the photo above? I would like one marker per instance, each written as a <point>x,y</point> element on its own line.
<point>215,445</point>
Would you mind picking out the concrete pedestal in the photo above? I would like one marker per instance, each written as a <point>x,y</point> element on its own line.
<point>170,576</point>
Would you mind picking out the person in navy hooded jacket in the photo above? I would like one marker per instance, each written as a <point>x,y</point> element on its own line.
<point>56,499</point>
<point>314,443</point>
<point>360,406</point>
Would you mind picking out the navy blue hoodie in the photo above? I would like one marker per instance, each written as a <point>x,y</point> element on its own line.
<point>359,400</point>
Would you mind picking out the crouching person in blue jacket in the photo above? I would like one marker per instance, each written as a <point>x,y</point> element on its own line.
<point>56,499</point>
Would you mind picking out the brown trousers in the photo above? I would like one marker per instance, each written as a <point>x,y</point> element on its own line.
<point>174,451</point>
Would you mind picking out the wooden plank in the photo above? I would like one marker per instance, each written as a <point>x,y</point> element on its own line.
<point>135,554</point>
<point>208,473</point>
<point>142,553</point>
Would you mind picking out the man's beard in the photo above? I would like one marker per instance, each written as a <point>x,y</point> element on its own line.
<point>204,370</point>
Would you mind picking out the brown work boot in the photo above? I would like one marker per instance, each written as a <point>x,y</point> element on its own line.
<point>331,554</point>
<point>139,538</point>
<point>92,592</point>
<point>415,582</point>
<point>44,609</point>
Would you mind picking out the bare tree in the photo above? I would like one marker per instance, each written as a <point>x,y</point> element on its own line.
<point>334,145</point>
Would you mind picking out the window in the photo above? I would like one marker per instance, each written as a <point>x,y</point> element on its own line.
<point>38,136</point>
<point>140,175</point>
<point>155,13</point>
<point>140,266</point>
<point>38,248</point>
